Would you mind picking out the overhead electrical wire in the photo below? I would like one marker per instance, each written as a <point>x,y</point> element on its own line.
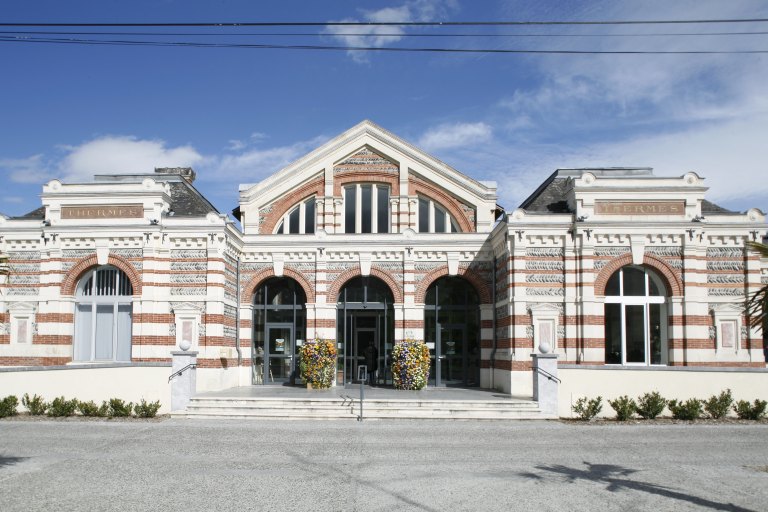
<point>21,39</point>
<point>387,24</point>
<point>368,34</point>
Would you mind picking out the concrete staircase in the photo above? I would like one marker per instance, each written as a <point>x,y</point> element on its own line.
<point>348,407</point>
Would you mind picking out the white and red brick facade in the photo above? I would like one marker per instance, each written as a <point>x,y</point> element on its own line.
<point>539,271</point>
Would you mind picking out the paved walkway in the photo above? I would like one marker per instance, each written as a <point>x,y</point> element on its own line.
<point>383,393</point>
<point>195,465</point>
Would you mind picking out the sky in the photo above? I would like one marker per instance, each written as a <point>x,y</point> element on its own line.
<point>238,115</point>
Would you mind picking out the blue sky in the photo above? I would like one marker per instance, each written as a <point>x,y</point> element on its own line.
<point>239,115</point>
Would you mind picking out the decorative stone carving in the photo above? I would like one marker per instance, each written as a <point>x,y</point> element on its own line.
<point>544,265</point>
<point>198,306</point>
<point>22,291</point>
<point>188,278</point>
<point>128,252</point>
<point>188,291</point>
<point>725,265</point>
<point>24,267</point>
<point>254,266</point>
<point>185,254</point>
<point>189,266</point>
<point>665,251</point>
<point>612,252</point>
<point>725,278</point>
<point>725,252</point>
<point>544,252</point>
<point>172,329</point>
<point>77,253</point>
<point>545,292</point>
<point>725,292</point>
<point>23,279</point>
<point>544,278</point>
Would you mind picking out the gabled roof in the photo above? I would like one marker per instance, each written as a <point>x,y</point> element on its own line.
<point>369,133</point>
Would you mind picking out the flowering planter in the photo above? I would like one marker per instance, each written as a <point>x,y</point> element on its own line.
<point>410,365</point>
<point>318,363</point>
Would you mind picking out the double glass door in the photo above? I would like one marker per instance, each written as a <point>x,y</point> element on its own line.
<point>454,356</point>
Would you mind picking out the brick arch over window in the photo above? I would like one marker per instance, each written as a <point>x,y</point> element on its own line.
<point>83,265</point>
<point>476,280</point>
<point>285,203</point>
<point>261,276</point>
<point>423,188</point>
<point>344,277</point>
<point>667,273</point>
<point>348,178</point>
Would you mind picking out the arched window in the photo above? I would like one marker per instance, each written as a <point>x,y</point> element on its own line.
<point>299,219</point>
<point>635,317</point>
<point>279,326</point>
<point>366,208</point>
<point>104,315</point>
<point>434,218</point>
<point>452,332</point>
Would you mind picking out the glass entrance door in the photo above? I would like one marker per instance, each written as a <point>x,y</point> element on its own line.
<point>364,337</point>
<point>280,360</point>
<point>452,361</point>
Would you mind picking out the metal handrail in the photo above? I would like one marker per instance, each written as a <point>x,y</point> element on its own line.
<point>547,374</point>
<point>176,374</point>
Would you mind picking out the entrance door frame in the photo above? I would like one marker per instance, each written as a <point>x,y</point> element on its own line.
<point>290,349</point>
<point>440,358</point>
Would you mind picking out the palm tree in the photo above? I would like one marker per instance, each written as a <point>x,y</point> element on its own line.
<point>757,305</point>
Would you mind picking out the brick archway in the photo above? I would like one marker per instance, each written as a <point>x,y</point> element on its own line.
<point>83,265</point>
<point>287,202</point>
<point>344,277</point>
<point>666,273</point>
<point>250,288</point>
<point>478,283</point>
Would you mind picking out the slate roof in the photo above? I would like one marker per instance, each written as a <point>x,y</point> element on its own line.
<point>36,214</point>
<point>550,196</point>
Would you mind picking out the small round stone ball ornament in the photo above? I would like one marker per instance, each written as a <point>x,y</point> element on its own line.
<point>545,347</point>
<point>185,345</point>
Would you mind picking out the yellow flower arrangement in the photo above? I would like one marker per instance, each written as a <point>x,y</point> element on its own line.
<point>410,364</point>
<point>318,363</point>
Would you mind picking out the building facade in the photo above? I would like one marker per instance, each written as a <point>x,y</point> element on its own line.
<point>368,241</point>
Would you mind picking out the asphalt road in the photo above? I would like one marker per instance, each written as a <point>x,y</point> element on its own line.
<point>194,465</point>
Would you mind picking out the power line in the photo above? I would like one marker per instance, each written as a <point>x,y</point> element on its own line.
<point>388,24</point>
<point>363,48</point>
<point>368,34</point>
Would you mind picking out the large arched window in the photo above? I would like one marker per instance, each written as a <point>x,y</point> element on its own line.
<point>299,219</point>
<point>366,208</point>
<point>279,326</point>
<point>635,317</point>
<point>452,332</point>
<point>104,313</point>
<point>434,218</point>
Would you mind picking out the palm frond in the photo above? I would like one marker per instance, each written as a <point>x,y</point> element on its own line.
<point>761,248</point>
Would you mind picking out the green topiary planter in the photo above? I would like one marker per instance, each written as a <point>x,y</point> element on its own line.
<point>410,365</point>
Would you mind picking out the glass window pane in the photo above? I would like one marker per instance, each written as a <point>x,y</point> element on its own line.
<point>293,220</point>
<point>83,332</point>
<point>382,206</point>
<point>635,332</point>
<point>613,334</point>
<point>104,328</point>
<point>439,220</point>
<point>656,286</point>
<point>654,331</point>
<point>309,216</point>
<point>354,290</point>
<point>612,288</point>
<point>634,281</point>
<point>366,205</point>
<point>280,228</point>
<point>350,198</point>
<point>377,292</point>
<point>423,215</point>
<point>124,332</point>
<point>454,226</point>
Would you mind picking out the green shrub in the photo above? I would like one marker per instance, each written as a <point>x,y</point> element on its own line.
<point>689,410</point>
<point>717,406</point>
<point>746,411</point>
<point>36,406</point>
<point>588,409</point>
<point>61,407</point>
<point>119,409</point>
<point>624,406</point>
<point>91,409</point>
<point>146,409</point>
<point>8,406</point>
<point>650,405</point>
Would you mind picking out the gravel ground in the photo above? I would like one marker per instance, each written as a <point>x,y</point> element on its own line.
<point>175,464</point>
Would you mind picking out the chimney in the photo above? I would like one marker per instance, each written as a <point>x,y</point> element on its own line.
<point>185,172</point>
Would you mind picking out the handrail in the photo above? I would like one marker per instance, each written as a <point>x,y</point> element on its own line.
<point>547,374</point>
<point>348,401</point>
<point>176,374</point>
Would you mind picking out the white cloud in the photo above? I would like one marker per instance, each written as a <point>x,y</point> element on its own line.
<point>26,170</point>
<point>377,36</point>
<point>455,135</point>
<point>123,154</point>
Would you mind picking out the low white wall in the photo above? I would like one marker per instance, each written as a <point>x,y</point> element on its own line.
<point>97,383</point>
<point>671,383</point>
